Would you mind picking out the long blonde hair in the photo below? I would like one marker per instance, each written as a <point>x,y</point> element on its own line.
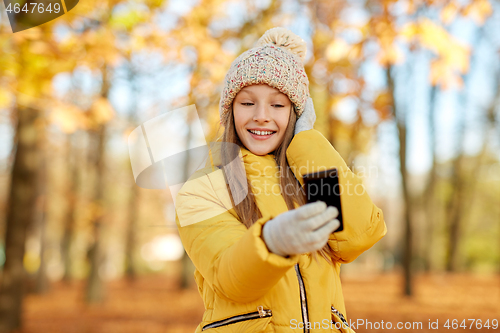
<point>247,209</point>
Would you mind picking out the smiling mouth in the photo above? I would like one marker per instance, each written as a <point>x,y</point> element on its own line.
<point>261,133</point>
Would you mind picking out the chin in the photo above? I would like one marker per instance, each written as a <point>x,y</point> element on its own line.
<point>260,150</point>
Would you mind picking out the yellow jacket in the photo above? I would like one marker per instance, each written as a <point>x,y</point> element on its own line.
<point>246,288</point>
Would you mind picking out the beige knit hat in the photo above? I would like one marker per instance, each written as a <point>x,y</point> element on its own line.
<point>277,60</point>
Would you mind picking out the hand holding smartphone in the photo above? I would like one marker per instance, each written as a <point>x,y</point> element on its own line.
<point>324,186</point>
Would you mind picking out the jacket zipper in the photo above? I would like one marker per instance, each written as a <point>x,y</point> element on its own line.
<point>340,315</point>
<point>260,313</point>
<point>303,299</point>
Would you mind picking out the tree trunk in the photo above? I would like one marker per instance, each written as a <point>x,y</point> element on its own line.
<point>95,288</point>
<point>430,189</point>
<point>457,203</point>
<point>71,197</point>
<point>455,209</point>
<point>407,200</point>
<point>37,282</point>
<point>20,213</point>
<point>42,283</point>
<point>133,205</point>
<point>133,215</point>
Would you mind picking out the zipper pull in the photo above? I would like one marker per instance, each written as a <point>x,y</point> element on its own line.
<point>262,312</point>
<point>340,315</point>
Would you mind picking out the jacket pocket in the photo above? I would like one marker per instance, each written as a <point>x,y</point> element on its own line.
<point>249,322</point>
<point>339,321</point>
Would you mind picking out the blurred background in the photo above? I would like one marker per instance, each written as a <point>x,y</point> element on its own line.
<point>408,92</point>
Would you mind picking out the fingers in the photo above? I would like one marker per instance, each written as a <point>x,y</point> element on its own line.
<point>327,228</point>
<point>310,209</point>
<point>319,220</point>
<point>317,239</point>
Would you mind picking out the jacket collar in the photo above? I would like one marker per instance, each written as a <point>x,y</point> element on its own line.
<point>259,165</point>
<point>255,165</point>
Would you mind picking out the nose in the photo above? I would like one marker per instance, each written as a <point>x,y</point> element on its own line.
<point>261,113</point>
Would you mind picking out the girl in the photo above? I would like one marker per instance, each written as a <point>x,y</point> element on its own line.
<point>265,260</point>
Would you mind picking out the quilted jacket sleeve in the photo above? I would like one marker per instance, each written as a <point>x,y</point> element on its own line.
<point>363,221</point>
<point>233,260</point>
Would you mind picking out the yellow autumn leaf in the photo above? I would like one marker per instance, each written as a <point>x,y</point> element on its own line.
<point>39,47</point>
<point>67,116</point>
<point>389,54</point>
<point>365,30</point>
<point>478,10</point>
<point>207,50</point>
<point>449,12</point>
<point>432,35</point>
<point>409,31</point>
<point>410,7</point>
<point>321,37</point>
<point>217,72</point>
<point>336,50</point>
<point>356,52</point>
<point>5,99</point>
<point>384,29</point>
<point>383,105</point>
<point>453,54</point>
<point>443,75</point>
<point>457,56</point>
<point>101,111</point>
<point>334,100</point>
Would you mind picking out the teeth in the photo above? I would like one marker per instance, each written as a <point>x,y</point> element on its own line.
<point>261,132</point>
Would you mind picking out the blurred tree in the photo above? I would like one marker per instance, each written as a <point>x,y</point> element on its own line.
<point>451,61</point>
<point>133,200</point>
<point>27,66</point>
<point>326,66</point>
<point>72,198</point>
<point>401,119</point>
<point>40,222</point>
<point>100,107</point>
<point>430,188</point>
<point>20,212</point>
<point>106,39</point>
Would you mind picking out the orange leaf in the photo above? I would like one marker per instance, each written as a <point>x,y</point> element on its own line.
<point>67,116</point>
<point>101,111</point>
<point>389,55</point>
<point>337,50</point>
<point>478,10</point>
<point>449,12</point>
<point>383,105</point>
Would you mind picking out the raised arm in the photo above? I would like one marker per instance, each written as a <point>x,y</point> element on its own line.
<point>363,221</point>
<point>233,260</point>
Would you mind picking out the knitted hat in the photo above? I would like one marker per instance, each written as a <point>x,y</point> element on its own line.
<point>276,60</point>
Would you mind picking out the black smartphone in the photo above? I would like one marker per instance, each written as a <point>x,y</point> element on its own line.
<point>324,186</point>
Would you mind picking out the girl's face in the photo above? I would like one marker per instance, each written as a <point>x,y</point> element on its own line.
<point>261,107</point>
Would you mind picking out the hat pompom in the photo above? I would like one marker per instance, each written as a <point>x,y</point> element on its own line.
<point>284,38</point>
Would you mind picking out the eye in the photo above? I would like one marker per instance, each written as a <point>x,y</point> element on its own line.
<point>247,103</point>
<point>278,105</point>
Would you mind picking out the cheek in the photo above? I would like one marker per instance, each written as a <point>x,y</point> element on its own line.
<point>283,121</point>
<point>238,118</point>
